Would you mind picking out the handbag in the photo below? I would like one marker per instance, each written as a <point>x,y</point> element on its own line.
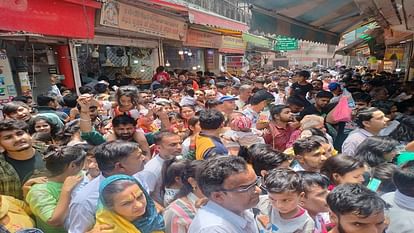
<point>342,112</point>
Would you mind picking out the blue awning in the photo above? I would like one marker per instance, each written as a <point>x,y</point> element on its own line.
<point>315,20</point>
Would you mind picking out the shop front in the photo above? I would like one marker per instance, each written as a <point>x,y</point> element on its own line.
<point>198,53</point>
<point>232,51</point>
<point>35,47</point>
<point>258,50</point>
<point>128,42</point>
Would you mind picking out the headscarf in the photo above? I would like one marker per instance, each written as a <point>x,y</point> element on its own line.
<point>150,222</point>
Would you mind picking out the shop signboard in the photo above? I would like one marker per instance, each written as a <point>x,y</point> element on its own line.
<point>127,17</point>
<point>196,38</point>
<point>286,43</point>
<point>7,87</point>
<point>394,53</point>
<point>231,44</point>
<point>257,41</point>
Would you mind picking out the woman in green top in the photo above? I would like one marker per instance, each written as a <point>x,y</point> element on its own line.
<point>49,202</point>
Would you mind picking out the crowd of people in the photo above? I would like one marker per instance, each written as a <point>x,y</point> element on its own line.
<point>288,151</point>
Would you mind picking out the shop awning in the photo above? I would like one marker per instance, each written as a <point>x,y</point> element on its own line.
<point>67,18</point>
<point>209,19</point>
<point>254,41</point>
<point>319,20</point>
<point>367,36</point>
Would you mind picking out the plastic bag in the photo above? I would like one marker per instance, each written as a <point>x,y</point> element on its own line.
<point>342,111</point>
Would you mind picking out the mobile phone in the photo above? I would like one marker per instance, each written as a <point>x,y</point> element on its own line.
<point>374,184</point>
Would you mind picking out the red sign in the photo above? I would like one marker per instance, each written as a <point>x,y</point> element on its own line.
<point>65,18</point>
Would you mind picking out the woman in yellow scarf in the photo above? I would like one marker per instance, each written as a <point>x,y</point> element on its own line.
<point>127,207</point>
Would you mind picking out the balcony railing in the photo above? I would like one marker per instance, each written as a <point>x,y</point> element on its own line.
<point>233,9</point>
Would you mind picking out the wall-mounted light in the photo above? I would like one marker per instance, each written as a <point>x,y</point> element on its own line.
<point>135,61</point>
<point>142,70</point>
<point>199,66</point>
<point>167,64</point>
<point>194,67</point>
<point>180,52</point>
<point>190,53</point>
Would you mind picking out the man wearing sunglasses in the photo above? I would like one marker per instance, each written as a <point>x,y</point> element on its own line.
<point>232,189</point>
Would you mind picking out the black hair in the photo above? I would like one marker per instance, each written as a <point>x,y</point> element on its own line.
<point>283,180</point>
<point>383,105</point>
<point>303,73</point>
<point>174,115</point>
<point>266,159</point>
<point>192,122</point>
<point>211,119</point>
<point>276,109</point>
<point>310,179</point>
<point>123,120</point>
<point>53,128</point>
<point>128,91</point>
<point>85,90</point>
<point>110,153</point>
<point>44,100</point>
<point>324,94</point>
<point>317,80</point>
<point>20,98</point>
<point>384,172</point>
<point>58,158</point>
<point>305,145</point>
<point>364,114</point>
<point>101,88</point>
<point>405,130</point>
<point>340,164</point>
<point>65,135</point>
<point>216,170</point>
<point>294,100</point>
<point>212,103</point>
<point>356,199</point>
<point>361,97</point>
<point>373,149</point>
<point>260,96</point>
<point>172,169</point>
<point>70,100</point>
<point>160,135</point>
<point>11,107</point>
<point>255,150</point>
<point>404,178</point>
<point>10,124</point>
<point>190,171</point>
<point>221,85</point>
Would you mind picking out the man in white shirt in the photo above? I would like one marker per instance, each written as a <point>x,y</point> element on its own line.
<point>169,145</point>
<point>370,122</point>
<point>232,189</point>
<point>116,157</point>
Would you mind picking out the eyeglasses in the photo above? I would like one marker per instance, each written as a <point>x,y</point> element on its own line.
<point>258,182</point>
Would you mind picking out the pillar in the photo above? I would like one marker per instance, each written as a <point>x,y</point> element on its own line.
<point>65,66</point>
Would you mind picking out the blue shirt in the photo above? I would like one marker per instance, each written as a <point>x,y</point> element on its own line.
<point>213,218</point>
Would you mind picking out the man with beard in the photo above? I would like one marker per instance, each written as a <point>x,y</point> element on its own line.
<point>355,209</point>
<point>123,127</point>
<point>20,160</point>
<point>232,189</point>
<point>279,131</point>
<point>169,146</point>
<point>322,99</point>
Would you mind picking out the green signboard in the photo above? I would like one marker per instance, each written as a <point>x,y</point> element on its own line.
<point>286,43</point>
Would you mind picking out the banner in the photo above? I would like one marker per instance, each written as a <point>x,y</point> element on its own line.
<point>7,87</point>
<point>123,16</point>
<point>202,39</point>
<point>231,44</point>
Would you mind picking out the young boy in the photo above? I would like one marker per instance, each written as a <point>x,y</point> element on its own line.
<point>310,155</point>
<point>314,201</point>
<point>285,190</point>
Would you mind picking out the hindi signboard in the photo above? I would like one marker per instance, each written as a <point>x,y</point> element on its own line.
<point>119,15</point>
<point>286,43</point>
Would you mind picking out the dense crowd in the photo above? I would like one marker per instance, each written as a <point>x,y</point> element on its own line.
<point>283,151</point>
